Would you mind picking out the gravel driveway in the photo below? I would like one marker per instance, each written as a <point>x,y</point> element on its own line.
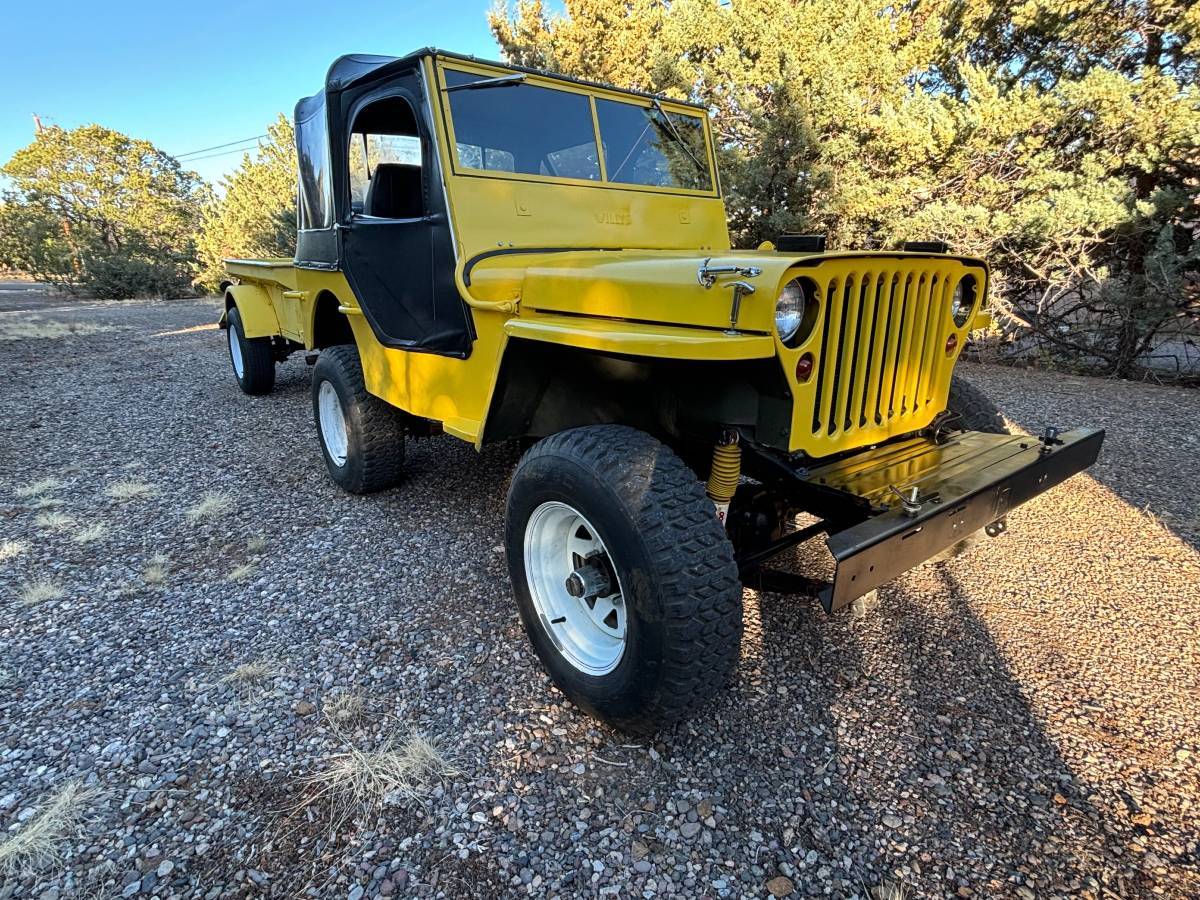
<point>193,620</point>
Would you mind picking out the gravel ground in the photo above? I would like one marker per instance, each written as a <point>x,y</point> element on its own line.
<point>1019,722</point>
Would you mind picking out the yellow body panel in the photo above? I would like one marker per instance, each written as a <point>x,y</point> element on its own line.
<point>257,311</point>
<point>640,339</point>
<point>614,268</point>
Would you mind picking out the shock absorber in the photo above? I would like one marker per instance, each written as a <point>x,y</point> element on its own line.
<point>725,473</point>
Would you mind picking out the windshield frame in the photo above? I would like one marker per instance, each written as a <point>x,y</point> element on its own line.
<point>592,93</point>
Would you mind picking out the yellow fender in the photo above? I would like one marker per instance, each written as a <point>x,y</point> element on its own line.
<point>256,309</point>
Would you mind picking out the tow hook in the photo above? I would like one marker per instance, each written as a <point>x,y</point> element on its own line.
<point>997,528</point>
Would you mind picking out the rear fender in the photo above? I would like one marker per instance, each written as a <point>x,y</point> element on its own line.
<point>255,307</point>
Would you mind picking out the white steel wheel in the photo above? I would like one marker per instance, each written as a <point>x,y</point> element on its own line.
<point>575,589</point>
<point>235,353</point>
<point>332,424</point>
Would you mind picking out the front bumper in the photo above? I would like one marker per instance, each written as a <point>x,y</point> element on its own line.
<point>970,482</point>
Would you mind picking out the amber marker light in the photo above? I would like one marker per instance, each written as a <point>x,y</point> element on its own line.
<point>951,343</point>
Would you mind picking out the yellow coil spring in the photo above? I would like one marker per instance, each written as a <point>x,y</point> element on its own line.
<point>726,471</point>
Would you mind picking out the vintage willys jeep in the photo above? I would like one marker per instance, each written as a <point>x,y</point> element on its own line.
<point>500,253</point>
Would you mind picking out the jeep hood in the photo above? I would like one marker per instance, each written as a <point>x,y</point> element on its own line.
<point>659,286</point>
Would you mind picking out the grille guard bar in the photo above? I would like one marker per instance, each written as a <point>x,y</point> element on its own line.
<point>963,485</point>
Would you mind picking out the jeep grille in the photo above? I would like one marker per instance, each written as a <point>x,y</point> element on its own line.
<point>883,361</point>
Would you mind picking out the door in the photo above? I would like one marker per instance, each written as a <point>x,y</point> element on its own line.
<point>396,246</point>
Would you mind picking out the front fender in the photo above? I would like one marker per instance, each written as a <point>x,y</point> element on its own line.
<point>256,309</point>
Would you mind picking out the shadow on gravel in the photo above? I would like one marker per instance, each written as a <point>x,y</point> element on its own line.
<point>980,773</point>
<point>856,754</point>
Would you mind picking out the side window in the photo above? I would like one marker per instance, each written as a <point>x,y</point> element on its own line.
<point>385,161</point>
<point>314,207</point>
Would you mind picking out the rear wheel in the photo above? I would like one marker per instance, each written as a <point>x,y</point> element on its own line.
<point>623,576</point>
<point>362,437</point>
<point>253,359</point>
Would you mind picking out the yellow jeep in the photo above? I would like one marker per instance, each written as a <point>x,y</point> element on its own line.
<point>500,253</point>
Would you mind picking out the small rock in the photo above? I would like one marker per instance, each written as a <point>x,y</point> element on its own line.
<point>780,886</point>
<point>305,708</point>
<point>890,821</point>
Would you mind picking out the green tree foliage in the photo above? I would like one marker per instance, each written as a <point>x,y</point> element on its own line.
<point>255,218</point>
<point>91,209</point>
<point>1056,138</point>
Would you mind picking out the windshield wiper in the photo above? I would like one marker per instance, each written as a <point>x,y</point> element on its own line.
<point>676,135</point>
<point>500,81</point>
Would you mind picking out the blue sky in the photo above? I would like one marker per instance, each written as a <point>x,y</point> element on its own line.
<point>189,76</point>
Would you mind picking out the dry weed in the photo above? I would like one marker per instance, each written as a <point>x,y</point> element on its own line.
<point>12,549</point>
<point>211,505</point>
<point>53,520</point>
<point>129,489</point>
<point>38,842</point>
<point>242,572</point>
<point>90,533</point>
<point>157,569</point>
<point>34,592</point>
<point>39,487</point>
<point>364,781</point>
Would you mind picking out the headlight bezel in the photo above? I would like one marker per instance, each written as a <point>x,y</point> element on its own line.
<point>801,295</point>
<point>963,300</point>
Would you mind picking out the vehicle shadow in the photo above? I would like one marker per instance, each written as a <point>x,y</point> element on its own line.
<point>1150,433</point>
<point>915,755</point>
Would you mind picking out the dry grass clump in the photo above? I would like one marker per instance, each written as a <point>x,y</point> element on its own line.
<point>53,520</point>
<point>345,709</point>
<point>12,549</point>
<point>38,488</point>
<point>24,329</point>
<point>251,676</point>
<point>211,505</point>
<point>242,572</point>
<point>256,544</point>
<point>365,780</point>
<point>90,533</point>
<point>38,842</point>
<point>46,503</point>
<point>157,569</point>
<point>34,592</point>
<point>890,890</point>
<point>129,489</point>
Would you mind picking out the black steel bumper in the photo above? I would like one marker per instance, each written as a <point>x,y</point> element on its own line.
<point>963,486</point>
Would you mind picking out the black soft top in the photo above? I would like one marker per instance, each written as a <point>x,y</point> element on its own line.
<point>354,68</point>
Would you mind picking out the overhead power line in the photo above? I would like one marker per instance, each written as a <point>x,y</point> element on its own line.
<point>256,137</point>
<point>221,153</point>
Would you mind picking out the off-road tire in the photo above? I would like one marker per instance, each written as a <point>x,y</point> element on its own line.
<point>674,562</point>
<point>374,429</point>
<point>972,408</point>
<point>258,357</point>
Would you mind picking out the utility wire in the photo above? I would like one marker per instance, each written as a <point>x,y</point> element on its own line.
<point>222,153</point>
<point>219,146</point>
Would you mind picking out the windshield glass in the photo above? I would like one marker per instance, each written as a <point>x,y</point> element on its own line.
<point>516,127</point>
<point>642,147</point>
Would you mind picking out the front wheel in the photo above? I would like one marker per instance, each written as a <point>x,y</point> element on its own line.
<point>624,578</point>
<point>362,437</point>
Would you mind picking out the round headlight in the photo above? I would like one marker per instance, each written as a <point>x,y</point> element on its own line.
<point>963,301</point>
<point>789,310</point>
